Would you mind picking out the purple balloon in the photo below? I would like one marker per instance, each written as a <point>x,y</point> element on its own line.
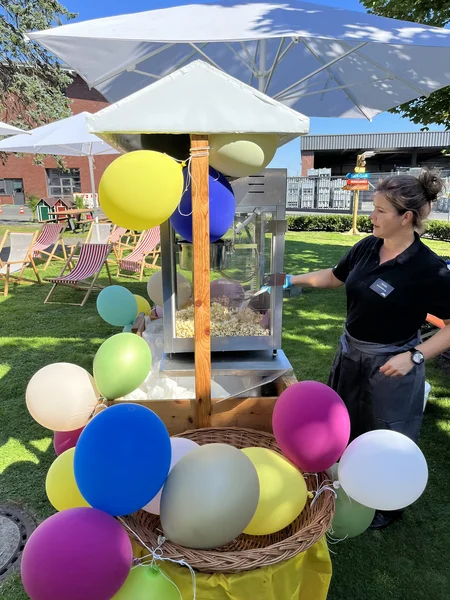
<point>222,206</point>
<point>311,425</point>
<point>64,440</point>
<point>77,554</point>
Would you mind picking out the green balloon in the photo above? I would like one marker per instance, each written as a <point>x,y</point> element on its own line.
<point>121,364</point>
<point>350,518</point>
<point>147,583</point>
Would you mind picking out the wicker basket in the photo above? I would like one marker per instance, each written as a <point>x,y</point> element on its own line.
<point>246,552</point>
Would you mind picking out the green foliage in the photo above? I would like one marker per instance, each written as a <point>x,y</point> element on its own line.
<point>79,202</point>
<point>337,223</point>
<point>32,81</point>
<point>435,108</point>
<point>32,201</point>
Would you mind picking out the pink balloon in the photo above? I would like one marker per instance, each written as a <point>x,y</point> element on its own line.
<point>311,425</point>
<point>63,440</point>
<point>230,289</point>
<point>159,311</point>
<point>180,447</point>
<point>77,554</point>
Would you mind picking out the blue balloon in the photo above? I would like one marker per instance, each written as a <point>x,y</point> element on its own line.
<point>222,206</point>
<point>117,306</point>
<point>122,459</point>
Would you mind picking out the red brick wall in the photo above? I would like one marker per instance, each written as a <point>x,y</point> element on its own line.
<point>34,177</point>
<point>307,161</point>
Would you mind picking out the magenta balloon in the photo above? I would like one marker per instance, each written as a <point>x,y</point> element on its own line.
<point>159,311</point>
<point>77,554</point>
<point>224,287</point>
<point>311,425</point>
<point>64,440</point>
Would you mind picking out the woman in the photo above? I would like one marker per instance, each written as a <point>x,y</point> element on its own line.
<point>392,280</point>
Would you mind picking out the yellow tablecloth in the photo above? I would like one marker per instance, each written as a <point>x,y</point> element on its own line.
<point>307,576</point>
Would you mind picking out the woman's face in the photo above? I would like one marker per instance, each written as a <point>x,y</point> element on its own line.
<point>387,222</point>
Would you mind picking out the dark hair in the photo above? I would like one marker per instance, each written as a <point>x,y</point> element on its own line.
<point>409,193</point>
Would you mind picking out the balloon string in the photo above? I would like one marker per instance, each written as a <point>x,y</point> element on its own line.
<point>157,555</point>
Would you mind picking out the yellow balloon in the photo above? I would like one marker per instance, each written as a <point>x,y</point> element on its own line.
<point>141,189</point>
<point>241,155</point>
<point>283,492</point>
<point>143,304</point>
<point>60,484</point>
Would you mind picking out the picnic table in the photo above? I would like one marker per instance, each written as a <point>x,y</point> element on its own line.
<point>74,217</point>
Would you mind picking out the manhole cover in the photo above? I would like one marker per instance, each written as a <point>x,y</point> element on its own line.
<point>15,529</point>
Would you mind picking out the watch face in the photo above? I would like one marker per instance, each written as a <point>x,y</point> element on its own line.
<point>417,358</point>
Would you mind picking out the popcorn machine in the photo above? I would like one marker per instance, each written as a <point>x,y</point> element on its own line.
<point>247,277</point>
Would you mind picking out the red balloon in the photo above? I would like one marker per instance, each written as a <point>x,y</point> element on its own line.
<point>311,425</point>
<point>63,440</point>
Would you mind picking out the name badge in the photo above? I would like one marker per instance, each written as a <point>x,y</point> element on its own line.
<point>382,288</point>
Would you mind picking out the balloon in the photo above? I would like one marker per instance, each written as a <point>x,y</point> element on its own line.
<point>222,206</point>
<point>311,425</point>
<point>175,145</point>
<point>155,291</point>
<point>60,484</point>
<point>159,312</point>
<point>117,306</point>
<point>61,396</point>
<point>180,447</point>
<point>209,497</point>
<point>283,492</point>
<point>121,364</point>
<point>220,288</point>
<point>241,155</point>
<point>147,583</point>
<point>128,328</point>
<point>143,304</point>
<point>383,469</point>
<point>63,440</point>
<point>140,190</point>
<point>76,554</point>
<point>350,518</point>
<point>127,479</point>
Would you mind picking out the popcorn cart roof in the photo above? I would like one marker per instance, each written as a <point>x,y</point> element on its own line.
<point>200,99</point>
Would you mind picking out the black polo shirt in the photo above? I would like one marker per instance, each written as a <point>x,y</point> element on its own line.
<point>388,303</point>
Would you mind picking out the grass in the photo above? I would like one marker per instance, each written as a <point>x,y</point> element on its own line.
<point>408,561</point>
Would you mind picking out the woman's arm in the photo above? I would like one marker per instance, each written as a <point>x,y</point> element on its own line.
<point>317,279</point>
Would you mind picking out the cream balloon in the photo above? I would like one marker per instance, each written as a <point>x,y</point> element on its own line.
<point>155,292</point>
<point>61,396</point>
<point>210,497</point>
<point>241,155</point>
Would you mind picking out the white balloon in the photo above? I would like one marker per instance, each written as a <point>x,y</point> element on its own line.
<point>180,447</point>
<point>155,290</point>
<point>383,469</point>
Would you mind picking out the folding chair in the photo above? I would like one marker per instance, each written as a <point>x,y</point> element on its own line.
<point>20,256</point>
<point>91,261</point>
<point>147,246</point>
<point>99,233</point>
<point>50,235</point>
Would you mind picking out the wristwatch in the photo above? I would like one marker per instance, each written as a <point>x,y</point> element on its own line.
<point>417,356</point>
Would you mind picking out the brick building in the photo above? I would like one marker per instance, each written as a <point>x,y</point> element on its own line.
<point>19,175</point>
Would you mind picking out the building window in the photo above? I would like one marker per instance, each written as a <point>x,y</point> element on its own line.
<point>63,183</point>
<point>2,187</point>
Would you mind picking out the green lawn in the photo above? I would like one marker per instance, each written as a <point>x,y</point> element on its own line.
<point>409,561</point>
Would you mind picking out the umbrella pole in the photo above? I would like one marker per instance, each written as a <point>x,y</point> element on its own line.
<point>201,279</point>
<point>91,175</point>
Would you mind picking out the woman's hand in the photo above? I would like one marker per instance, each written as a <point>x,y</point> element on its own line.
<point>398,366</point>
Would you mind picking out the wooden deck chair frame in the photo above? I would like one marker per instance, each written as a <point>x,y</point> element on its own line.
<point>84,285</point>
<point>119,247</point>
<point>154,254</point>
<point>51,255</point>
<point>7,277</point>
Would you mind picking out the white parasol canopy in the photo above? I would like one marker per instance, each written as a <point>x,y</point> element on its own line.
<point>6,129</point>
<point>66,137</point>
<point>319,60</point>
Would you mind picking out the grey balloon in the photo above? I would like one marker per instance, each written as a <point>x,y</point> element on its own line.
<point>209,497</point>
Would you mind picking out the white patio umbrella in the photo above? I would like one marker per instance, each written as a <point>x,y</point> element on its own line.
<point>67,137</point>
<point>321,61</point>
<point>6,129</point>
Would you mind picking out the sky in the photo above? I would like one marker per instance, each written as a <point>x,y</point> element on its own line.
<point>289,155</point>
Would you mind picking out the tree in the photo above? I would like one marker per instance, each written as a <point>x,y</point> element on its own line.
<point>32,81</point>
<point>435,108</point>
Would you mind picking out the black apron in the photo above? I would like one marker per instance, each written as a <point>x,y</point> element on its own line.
<point>374,400</point>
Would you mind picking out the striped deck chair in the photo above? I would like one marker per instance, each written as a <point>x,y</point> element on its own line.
<point>147,246</point>
<point>99,233</point>
<point>50,235</point>
<point>20,256</point>
<point>91,261</point>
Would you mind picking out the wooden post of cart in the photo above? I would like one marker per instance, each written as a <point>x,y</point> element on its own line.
<point>201,279</point>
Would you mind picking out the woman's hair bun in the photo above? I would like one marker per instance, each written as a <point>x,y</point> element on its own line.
<point>432,184</point>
